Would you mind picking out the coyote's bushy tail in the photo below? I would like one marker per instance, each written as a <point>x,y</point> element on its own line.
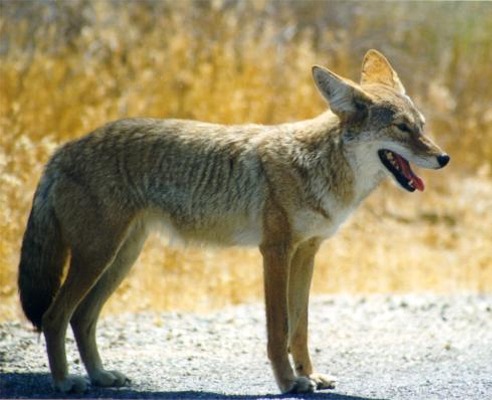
<point>43,255</point>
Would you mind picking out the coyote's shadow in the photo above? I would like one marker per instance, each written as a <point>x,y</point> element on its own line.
<point>38,385</point>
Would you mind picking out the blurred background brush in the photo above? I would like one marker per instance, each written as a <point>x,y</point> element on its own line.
<point>67,67</point>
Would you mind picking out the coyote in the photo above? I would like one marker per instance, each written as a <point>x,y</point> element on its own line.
<point>285,188</point>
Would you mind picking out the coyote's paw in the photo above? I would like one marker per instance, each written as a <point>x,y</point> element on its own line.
<point>72,384</point>
<point>323,381</point>
<point>301,384</point>
<point>105,378</point>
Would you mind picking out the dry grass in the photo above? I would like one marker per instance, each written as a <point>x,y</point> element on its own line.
<point>67,67</point>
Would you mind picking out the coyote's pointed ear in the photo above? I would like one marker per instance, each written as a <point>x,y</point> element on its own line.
<point>377,69</point>
<point>346,98</point>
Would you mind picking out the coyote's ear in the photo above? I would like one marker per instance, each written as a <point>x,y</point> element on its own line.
<point>346,98</point>
<point>377,69</point>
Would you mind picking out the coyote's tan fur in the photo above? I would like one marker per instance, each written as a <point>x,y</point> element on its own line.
<point>285,188</point>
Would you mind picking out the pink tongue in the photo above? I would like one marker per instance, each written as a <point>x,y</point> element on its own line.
<point>416,182</point>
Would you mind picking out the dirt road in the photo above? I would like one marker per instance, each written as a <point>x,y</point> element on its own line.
<point>380,347</point>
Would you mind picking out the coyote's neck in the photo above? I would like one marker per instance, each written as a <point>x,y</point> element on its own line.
<point>345,173</point>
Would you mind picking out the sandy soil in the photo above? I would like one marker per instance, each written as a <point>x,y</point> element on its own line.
<point>380,347</point>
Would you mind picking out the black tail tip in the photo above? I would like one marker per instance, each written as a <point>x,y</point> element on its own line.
<point>37,323</point>
<point>34,313</point>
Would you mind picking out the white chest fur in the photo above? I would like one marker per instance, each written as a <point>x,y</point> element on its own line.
<point>310,223</point>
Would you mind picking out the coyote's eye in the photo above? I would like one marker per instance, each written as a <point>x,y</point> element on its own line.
<point>404,127</point>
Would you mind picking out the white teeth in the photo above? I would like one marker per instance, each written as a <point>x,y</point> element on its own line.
<point>410,183</point>
<point>392,160</point>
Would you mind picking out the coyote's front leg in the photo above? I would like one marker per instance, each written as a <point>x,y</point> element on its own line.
<point>300,276</point>
<point>276,258</point>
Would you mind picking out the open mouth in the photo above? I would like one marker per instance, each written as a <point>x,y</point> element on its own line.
<point>400,168</point>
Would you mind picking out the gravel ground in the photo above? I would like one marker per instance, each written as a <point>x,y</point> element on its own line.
<point>380,347</point>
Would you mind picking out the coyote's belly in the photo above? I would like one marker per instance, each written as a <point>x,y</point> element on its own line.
<point>223,230</point>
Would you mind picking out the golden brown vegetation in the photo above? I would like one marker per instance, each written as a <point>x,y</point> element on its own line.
<point>67,67</point>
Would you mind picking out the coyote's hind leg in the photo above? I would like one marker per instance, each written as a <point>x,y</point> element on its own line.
<point>83,273</point>
<point>94,238</point>
<point>84,320</point>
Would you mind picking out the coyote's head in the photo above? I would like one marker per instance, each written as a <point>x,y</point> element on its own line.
<point>380,122</point>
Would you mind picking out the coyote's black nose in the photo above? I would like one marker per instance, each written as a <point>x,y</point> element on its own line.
<point>443,160</point>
